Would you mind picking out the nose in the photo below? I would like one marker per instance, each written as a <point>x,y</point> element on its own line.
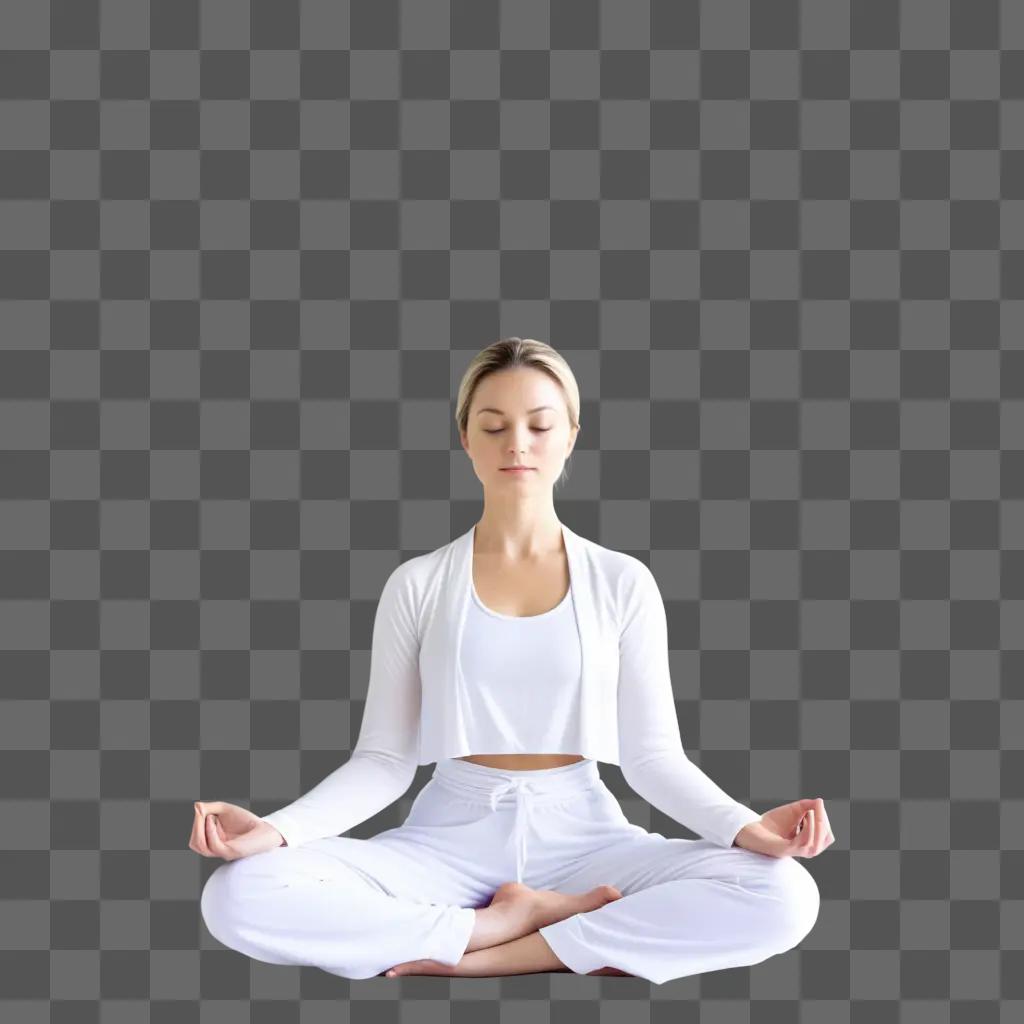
<point>519,439</point>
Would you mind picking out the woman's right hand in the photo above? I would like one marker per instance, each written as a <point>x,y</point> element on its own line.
<point>231,832</point>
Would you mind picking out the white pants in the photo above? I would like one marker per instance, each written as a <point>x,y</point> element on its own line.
<point>356,907</point>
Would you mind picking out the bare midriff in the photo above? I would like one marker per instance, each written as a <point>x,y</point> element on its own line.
<point>522,762</point>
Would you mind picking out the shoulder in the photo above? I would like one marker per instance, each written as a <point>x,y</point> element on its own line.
<point>617,565</point>
<point>403,595</point>
<point>628,579</point>
<point>639,586</point>
<point>419,576</point>
<point>411,575</point>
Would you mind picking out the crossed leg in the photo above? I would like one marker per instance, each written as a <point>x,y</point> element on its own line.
<point>356,907</point>
<point>339,904</point>
<point>689,906</point>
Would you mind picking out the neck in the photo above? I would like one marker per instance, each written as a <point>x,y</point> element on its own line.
<point>518,533</point>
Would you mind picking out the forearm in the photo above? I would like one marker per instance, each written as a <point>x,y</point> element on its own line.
<point>671,782</point>
<point>365,784</point>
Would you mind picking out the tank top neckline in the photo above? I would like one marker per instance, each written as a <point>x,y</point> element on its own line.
<point>517,618</point>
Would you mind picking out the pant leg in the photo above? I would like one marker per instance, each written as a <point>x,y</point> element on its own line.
<point>348,906</point>
<point>688,906</point>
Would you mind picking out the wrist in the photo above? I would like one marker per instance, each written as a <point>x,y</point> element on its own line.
<point>739,838</point>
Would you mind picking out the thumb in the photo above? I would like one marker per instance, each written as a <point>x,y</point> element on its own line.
<point>212,806</point>
<point>256,840</point>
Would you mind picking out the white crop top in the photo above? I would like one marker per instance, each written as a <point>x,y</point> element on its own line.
<point>515,665</point>
<point>424,702</point>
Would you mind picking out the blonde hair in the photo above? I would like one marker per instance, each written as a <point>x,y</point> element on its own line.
<point>507,354</point>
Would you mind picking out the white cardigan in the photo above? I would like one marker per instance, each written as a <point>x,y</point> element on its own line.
<point>414,709</point>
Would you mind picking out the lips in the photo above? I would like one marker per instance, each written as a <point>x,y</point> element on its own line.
<point>516,469</point>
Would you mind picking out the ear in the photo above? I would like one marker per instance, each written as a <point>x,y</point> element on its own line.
<point>572,441</point>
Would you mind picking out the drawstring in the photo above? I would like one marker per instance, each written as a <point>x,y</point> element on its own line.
<point>485,785</point>
<point>523,789</point>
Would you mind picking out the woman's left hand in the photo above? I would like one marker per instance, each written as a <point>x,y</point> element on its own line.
<point>799,829</point>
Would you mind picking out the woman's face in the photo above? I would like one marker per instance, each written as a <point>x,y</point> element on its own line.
<point>518,417</point>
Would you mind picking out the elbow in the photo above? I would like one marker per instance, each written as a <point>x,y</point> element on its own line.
<point>634,773</point>
<point>399,767</point>
<point>639,762</point>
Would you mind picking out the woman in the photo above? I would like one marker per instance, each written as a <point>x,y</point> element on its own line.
<point>518,636</point>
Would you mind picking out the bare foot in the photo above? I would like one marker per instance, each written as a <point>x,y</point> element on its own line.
<point>515,911</point>
<point>529,954</point>
<point>546,906</point>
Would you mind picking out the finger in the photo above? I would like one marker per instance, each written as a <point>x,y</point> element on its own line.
<point>205,836</point>
<point>812,832</point>
<point>213,838</point>
<point>819,832</point>
<point>799,806</point>
<point>796,840</point>
<point>193,839</point>
<point>223,840</point>
<point>199,829</point>
<point>822,818</point>
<point>808,835</point>
<point>221,834</point>
<point>216,807</point>
<point>826,825</point>
<point>200,834</point>
<point>805,827</point>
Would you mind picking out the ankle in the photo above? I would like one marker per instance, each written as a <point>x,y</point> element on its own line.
<point>519,918</point>
<point>495,925</point>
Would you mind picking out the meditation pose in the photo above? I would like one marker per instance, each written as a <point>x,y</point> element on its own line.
<point>514,659</point>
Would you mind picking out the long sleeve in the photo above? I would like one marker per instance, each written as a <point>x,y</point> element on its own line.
<point>383,763</point>
<point>652,758</point>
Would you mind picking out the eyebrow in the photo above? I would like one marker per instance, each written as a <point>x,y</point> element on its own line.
<point>500,413</point>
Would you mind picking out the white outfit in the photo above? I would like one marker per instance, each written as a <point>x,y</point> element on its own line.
<point>357,907</point>
<point>546,683</point>
<point>533,659</point>
<point>420,709</point>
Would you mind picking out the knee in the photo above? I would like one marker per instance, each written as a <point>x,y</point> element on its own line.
<point>224,897</point>
<point>799,900</point>
<point>215,902</point>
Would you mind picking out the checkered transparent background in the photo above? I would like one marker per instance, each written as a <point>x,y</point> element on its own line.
<point>246,252</point>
